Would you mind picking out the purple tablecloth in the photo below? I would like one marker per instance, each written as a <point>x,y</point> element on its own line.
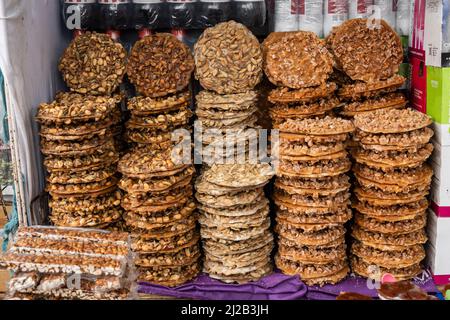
<point>274,287</point>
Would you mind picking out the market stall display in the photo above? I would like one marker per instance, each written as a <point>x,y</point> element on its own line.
<point>68,263</point>
<point>156,176</point>
<point>390,195</point>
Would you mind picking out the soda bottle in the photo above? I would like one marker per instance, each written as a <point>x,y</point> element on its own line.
<point>181,13</point>
<point>114,15</point>
<point>212,12</point>
<point>335,12</point>
<point>79,14</point>
<point>251,13</point>
<point>285,16</point>
<point>311,16</point>
<point>148,15</point>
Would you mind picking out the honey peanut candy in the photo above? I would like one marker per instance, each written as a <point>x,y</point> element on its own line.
<point>228,59</point>
<point>297,60</point>
<point>159,65</point>
<point>364,51</point>
<point>93,64</point>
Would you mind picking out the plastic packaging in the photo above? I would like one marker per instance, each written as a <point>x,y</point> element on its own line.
<point>387,9</point>
<point>114,14</point>
<point>359,8</point>
<point>335,13</point>
<point>251,13</point>
<point>79,14</point>
<point>181,13</point>
<point>285,16</point>
<point>149,14</point>
<point>402,25</point>
<point>311,16</point>
<point>212,12</point>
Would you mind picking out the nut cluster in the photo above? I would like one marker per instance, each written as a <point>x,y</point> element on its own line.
<point>93,64</point>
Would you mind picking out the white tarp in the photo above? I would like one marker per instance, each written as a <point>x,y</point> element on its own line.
<point>32,38</point>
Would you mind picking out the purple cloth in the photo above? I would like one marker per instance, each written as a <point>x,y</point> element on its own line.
<point>274,287</point>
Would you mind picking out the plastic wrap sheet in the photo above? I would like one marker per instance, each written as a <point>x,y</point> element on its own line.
<point>31,41</point>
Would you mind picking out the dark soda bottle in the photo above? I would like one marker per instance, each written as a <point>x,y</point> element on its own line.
<point>79,14</point>
<point>212,12</point>
<point>251,13</point>
<point>148,15</point>
<point>114,15</point>
<point>181,13</point>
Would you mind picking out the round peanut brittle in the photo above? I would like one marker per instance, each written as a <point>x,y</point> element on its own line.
<point>309,270</point>
<point>83,163</point>
<point>228,59</point>
<point>407,139</point>
<point>94,219</point>
<point>373,193</point>
<point>339,216</point>
<point>326,126</point>
<point>314,169</point>
<point>186,255</point>
<point>287,96</point>
<point>222,247</point>
<point>393,158</point>
<point>93,63</point>
<point>83,188</point>
<point>133,201</point>
<point>389,259</point>
<point>68,108</point>
<point>247,221</point>
<point>313,254</point>
<point>249,175</point>
<point>295,233</point>
<point>305,109</point>
<point>404,209</point>
<point>283,197</point>
<point>361,90</point>
<point>74,148</point>
<point>297,138</point>
<point>312,150</point>
<point>394,100</point>
<point>235,234</point>
<point>244,277</point>
<point>162,121</point>
<point>165,245</point>
<point>234,267</point>
<point>314,187</point>
<point>391,227</point>
<point>157,184</point>
<point>81,177</point>
<point>238,210</point>
<point>239,260</point>
<point>406,239</point>
<point>226,102</point>
<point>369,270</point>
<point>364,51</point>
<point>152,163</point>
<point>145,218</point>
<point>297,60</point>
<point>224,201</point>
<point>146,231</point>
<point>169,276</point>
<point>392,121</point>
<point>149,106</point>
<point>87,203</point>
<point>159,65</point>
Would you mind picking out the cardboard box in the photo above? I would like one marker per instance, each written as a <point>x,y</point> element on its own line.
<point>438,102</point>
<point>438,254</point>
<point>440,187</point>
<point>418,83</point>
<point>416,36</point>
<point>437,33</point>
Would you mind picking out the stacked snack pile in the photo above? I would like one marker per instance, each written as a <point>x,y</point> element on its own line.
<point>157,176</point>
<point>235,221</point>
<point>312,194</point>
<point>228,61</point>
<point>392,184</point>
<point>312,188</point>
<point>79,135</point>
<point>234,210</point>
<point>69,264</point>
<point>368,57</point>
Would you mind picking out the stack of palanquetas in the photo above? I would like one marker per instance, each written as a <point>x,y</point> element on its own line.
<point>235,221</point>
<point>367,58</point>
<point>228,61</point>
<point>312,194</point>
<point>160,211</point>
<point>300,65</point>
<point>390,196</point>
<point>53,263</point>
<point>81,134</point>
<point>80,156</point>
